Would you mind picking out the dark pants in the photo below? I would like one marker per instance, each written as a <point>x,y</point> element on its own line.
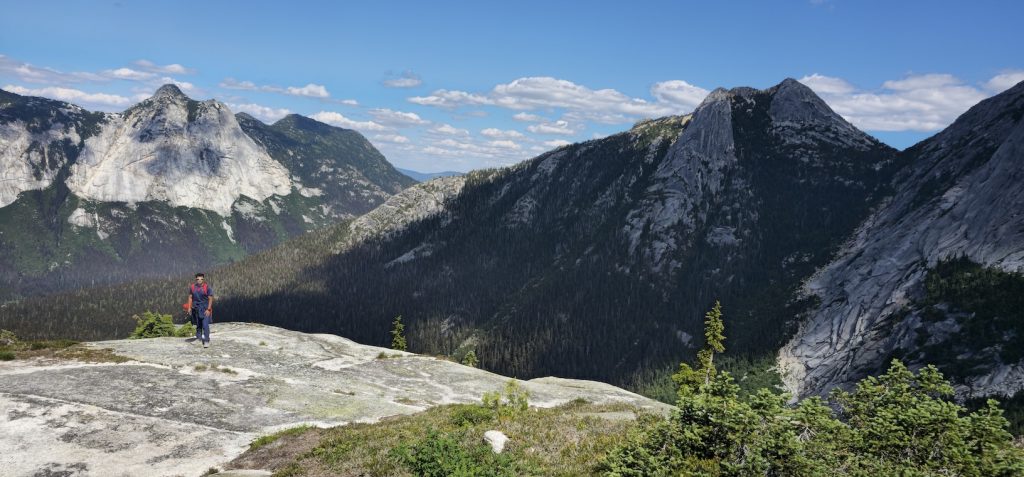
<point>202,325</point>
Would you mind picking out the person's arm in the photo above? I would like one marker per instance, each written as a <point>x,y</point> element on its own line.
<point>209,302</point>
<point>190,301</point>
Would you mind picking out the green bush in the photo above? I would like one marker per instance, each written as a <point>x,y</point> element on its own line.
<point>471,414</point>
<point>7,338</point>
<point>6,355</point>
<point>899,423</point>
<point>442,455</point>
<point>470,359</point>
<point>155,325</point>
<point>508,403</point>
<point>185,331</point>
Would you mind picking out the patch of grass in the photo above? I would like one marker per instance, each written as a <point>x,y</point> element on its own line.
<point>57,349</point>
<point>564,441</point>
<point>384,355</point>
<point>199,367</point>
<point>269,439</point>
<point>91,355</point>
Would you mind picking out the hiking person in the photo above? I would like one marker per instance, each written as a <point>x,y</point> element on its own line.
<point>200,304</point>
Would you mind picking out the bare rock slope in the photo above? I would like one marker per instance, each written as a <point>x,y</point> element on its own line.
<point>178,409</point>
<point>960,195</point>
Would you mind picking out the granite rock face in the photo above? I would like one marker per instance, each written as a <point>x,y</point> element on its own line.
<point>170,148</point>
<point>960,194</point>
<point>179,409</point>
<point>39,138</point>
<point>412,204</point>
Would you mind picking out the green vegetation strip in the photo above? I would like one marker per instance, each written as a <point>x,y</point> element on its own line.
<point>448,440</point>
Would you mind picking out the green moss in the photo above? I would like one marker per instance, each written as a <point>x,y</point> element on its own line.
<point>266,440</point>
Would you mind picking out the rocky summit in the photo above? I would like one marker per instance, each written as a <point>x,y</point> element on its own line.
<point>175,408</point>
<point>92,198</point>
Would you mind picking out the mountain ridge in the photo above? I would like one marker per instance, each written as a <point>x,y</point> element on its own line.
<point>92,198</point>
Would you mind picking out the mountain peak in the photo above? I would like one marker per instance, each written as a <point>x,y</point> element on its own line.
<point>169,91</point>
<point>793,101</point>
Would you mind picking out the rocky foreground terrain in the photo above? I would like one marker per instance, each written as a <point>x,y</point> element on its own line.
<point>175,408</point>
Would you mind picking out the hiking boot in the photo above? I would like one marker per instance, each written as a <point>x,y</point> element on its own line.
<point>206,344</point>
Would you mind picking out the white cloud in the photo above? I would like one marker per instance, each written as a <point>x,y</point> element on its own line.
<point>1004,81</point>
<point>915,103</point>
<point>558,127</point>
<point>547,93</point>
<point>443,98</point>
<point>394,138</point>
<point>498,133</point>
<point>171,69</point>
<point>556,143</point>
<point>310,90</point>
<point>36,74</point>
<point>72,95</point>
<point>129,74</point>
<point>450,130</point>
<point>918,82</point>
<point>683,95</point>
<point>397,118</point>
<point>231,83</point>
<point>504,144</point>
<point>527,117</point>
<point>263,113</point>
<point>407,79</point>
<point>183,85</point>
<point>827,84</point>
<point>348,102</point>
<point>337,119</point>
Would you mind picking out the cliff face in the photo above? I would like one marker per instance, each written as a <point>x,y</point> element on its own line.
<point>172,149</point>
<point>175,408</point>
<point>961,194</point>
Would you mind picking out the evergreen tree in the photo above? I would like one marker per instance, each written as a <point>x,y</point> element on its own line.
<point>470,359</point>
<point>398,334</point>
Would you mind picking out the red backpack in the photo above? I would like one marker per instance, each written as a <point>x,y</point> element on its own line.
<point>192,288</point>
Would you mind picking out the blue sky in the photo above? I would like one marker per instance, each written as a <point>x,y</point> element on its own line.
<point>463,85</point>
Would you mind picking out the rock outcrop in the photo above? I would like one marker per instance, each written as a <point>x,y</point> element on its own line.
<point>173,149</point>
<point>961,194</point>
<point>178,409</point>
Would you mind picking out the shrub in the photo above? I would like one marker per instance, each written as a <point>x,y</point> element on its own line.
<point>508,403</point>
<point>895,424</point>
<point>442,455</point>
<point>7,338</point>
<point>470,359</point>
<point>153,325</point>
<point>471,414</point>
<point>185,331</point>
<point>6,355</point>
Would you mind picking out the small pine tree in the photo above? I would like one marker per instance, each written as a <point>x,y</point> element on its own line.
<point>714,341</point>
<point>689,379</point>
<point>398,334</point>
<point>470,359</point>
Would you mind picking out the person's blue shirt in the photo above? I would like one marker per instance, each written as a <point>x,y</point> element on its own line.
<point>200,300</point>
